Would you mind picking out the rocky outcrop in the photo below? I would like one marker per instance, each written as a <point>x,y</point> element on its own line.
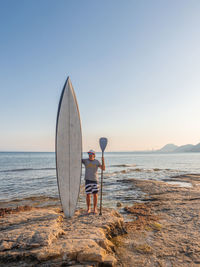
<point>39,236</point>
<point>164,230</point>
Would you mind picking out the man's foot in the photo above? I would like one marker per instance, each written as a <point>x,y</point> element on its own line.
<point>95,211</point>
<point>88,211</point>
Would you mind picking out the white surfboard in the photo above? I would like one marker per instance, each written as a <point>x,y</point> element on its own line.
<point>68,149</point>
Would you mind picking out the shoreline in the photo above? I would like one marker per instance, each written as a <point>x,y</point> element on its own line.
<point>165,229</point>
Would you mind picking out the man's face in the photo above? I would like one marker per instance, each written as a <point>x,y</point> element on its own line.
<point>91,156</point>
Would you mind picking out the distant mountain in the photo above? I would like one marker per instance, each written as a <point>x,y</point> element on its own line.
<point>168,148</point>
<point>196,148</point>
<point>185,148</point>
<point>171,148</point>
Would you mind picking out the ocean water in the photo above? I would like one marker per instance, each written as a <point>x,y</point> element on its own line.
<point>30,177</point>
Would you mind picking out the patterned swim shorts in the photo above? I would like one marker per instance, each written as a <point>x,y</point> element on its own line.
<point>91,187</point>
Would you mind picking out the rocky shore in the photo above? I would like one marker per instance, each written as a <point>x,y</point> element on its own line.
<point>162,230</point>
<point>44,237</point>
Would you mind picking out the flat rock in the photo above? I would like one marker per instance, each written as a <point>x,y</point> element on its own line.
<point>44,235</point>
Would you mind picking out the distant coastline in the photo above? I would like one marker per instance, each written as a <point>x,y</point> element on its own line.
<point>171,148</point>
<point>168,148</point>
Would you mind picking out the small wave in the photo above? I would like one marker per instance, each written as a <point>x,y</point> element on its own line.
<point>131,170</point>
<point>156,170</point>
<point>127,171</point>
<point>27,169</point>
<point>41,198</point>
<point>33,201</point>
<point>124,165</point>
<point>123,172</point>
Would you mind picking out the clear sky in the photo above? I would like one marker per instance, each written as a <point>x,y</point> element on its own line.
<point>134,65</point>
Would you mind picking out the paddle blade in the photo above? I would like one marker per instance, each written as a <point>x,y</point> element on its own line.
<point>103,143</point>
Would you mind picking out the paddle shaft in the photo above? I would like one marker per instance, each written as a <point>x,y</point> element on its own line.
<point>100,213</point>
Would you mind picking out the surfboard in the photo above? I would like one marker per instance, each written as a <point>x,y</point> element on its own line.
<point>68,149</point>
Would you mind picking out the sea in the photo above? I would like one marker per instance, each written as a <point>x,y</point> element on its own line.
<point>29,178</point>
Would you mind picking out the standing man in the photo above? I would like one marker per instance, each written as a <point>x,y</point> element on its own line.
<point>91,178</point>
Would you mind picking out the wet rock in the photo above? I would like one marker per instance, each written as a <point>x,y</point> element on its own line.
<point>119,204</point>
<point>165,231</point>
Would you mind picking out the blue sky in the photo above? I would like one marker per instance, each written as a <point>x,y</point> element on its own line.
<point>134,66</point>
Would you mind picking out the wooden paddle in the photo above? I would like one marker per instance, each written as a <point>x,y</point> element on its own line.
<point>103,143</point>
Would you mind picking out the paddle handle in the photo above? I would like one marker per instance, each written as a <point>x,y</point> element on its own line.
<point>100,213</point>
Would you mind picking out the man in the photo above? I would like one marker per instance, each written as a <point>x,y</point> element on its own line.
<point>91,179</point>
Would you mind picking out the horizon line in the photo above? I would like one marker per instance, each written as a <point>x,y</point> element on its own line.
<point>22,151</point>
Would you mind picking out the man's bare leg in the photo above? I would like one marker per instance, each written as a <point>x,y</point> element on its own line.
<point>88,203</point>
<point>95,197</point>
